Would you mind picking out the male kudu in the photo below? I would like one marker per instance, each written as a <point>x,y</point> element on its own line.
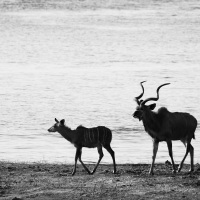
<point>166,126</point>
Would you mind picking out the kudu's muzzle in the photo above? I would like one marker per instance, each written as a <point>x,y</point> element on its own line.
<point>52,129</point>
<point>137,114</point>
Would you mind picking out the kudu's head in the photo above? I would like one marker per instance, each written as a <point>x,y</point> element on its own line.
<point>58,125</point>
<point>141,108</point>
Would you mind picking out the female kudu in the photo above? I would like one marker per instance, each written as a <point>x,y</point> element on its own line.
<point>166,126</point>
<point>99,137</point>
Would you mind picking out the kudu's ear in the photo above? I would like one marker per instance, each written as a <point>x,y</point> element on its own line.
<point>56,120</point>
<point>140,101</point>
<point>152,106</point>
<point>62,122</point>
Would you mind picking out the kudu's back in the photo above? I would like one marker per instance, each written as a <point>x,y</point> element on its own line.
<point>91,137</point>
<point>181,126</point>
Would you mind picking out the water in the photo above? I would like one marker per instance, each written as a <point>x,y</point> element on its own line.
<point>85,66</point>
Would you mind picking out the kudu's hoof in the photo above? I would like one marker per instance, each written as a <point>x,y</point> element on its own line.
<point>179,169</point>
<point>191,170</point>
<point>173,171</point>
<point>73,173</point>
<point>151,173</point>
<point>114,171</point>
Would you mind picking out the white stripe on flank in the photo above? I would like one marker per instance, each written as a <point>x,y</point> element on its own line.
<point>88,131</point>
<point>85,136</point>
<point>93,135</point>
<point>98,134</point>
<point>89,135</point>
<point>105,135</point>
<point>103,140</point>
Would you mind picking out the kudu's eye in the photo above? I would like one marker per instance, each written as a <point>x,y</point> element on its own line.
<point>139,108</point>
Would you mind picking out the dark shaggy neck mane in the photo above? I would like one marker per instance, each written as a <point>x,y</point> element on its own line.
<point>151,122</point>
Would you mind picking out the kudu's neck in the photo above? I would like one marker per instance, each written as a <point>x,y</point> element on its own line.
<point>151,121</point>
<point>66,132</point>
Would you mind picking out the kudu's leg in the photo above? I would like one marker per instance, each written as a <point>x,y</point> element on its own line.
<point>76,158</point>
<point>186,153</point>
<point>155,149</point>
<point>192,158</point>
<point>88,171</point>
<point>169,145</point>
<point>99,148</point>
<point>112,153</point>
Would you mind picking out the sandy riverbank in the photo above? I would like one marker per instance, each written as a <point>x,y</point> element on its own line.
<point>54,181</point>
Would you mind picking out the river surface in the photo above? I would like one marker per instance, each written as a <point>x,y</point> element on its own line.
<point>85,66</point>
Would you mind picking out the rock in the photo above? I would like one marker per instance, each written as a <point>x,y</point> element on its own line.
<point>198,183</point>
<point>17,198</point>
<point>168,162</point>
<point>10,168</point>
